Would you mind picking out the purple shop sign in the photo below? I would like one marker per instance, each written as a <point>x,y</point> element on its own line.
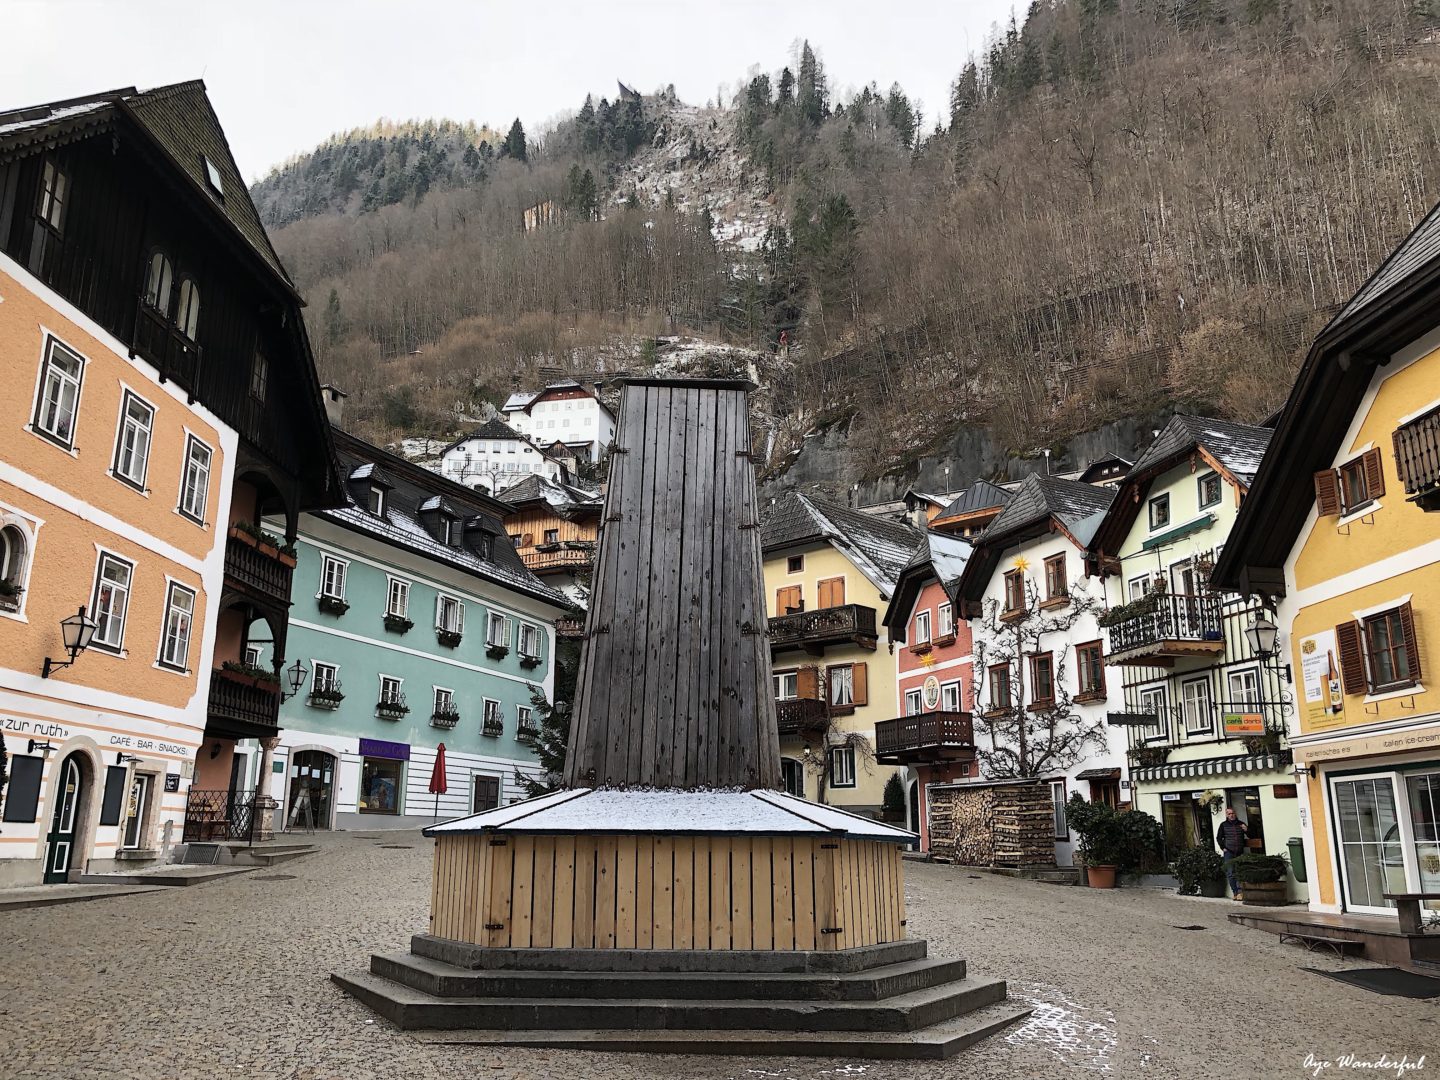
<point>380,748</point>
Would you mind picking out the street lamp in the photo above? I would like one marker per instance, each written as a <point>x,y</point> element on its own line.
<point>1264,637</point>
<point>296,674</point>
<point>76,632</point>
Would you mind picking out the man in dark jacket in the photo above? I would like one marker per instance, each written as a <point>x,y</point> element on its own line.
<point>1232,840</point>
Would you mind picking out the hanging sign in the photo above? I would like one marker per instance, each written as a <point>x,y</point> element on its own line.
<point>1244,723</point>
<point>1320,681</point>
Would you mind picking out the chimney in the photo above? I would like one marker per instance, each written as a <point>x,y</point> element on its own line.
<point>334,400</point>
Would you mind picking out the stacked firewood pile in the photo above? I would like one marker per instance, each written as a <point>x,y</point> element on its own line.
<point>994,825</point>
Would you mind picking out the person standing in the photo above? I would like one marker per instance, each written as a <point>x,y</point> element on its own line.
<point>1232,838</point>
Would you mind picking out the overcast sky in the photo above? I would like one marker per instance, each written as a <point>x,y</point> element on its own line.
<point>283,75</point>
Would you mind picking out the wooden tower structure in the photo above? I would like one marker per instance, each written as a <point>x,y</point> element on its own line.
<point>670,864</point>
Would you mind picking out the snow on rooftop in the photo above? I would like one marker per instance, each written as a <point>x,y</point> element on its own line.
<point>363,472</point>
<point>68,112</point>
<point>432,503</point>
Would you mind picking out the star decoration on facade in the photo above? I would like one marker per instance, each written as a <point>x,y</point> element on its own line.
<point>1021,563</point>
<point>928,660</point>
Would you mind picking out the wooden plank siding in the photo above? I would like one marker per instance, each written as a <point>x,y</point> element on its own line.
<point>684,892</point>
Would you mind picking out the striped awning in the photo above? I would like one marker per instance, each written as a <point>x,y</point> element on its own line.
<point>1223,766</point>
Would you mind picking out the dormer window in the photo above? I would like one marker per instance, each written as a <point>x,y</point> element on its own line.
<point>375,502</point>
<point>447,531</point>
<point>213,178</point>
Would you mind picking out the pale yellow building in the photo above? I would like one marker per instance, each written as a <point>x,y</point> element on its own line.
<point>829,574</point>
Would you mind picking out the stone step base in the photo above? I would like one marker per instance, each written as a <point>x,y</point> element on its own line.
<point>178,876</point>
<point>873,984</point>
<point>937,1042</point>
<point>409,1008</point>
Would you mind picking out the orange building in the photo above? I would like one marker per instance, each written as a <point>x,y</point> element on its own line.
<point>161,392</point>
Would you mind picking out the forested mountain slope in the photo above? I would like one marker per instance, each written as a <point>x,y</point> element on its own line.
<point>1128,205</point>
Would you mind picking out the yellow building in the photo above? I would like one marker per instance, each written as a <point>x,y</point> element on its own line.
<point>1340,532</point>
<point>829,573</point>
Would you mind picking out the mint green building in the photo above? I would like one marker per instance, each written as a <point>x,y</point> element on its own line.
<point>419,626</point>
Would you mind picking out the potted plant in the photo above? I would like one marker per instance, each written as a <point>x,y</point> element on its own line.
<point>497,652</point>
<point>1268,743</point>
<point>892,802</point>
<point>398,624</point>
<point>1112,841</point>
<point>1200,870</point>
<point>287,554</point>
<point>250,675</point>
<point>529,661</point>
<point>446,716</point>
<point>1262,878</point>
<point>1148,757</point>
<point>448,638</point>
<point>245,532</point>
<point>326,697</point>
<point>333,605</point>
<point>269,544</point>
<point>1211,799</point>
<point>391,708</point>
<point>10,596</point>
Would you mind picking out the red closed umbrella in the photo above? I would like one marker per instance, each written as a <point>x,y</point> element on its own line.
<point>438,785</point>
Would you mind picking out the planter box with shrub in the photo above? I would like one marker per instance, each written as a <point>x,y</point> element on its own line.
<point>448,638</point>
<point>333,605</point>
<point>1262,879</point>
<point>397,624</point>
<point>1201,871</point>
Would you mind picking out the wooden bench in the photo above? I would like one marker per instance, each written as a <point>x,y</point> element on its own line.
<point>1339,946</point>
<point>1407,906</point>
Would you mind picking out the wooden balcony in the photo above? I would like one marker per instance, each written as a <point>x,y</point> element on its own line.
<point>159,341</point>
<point>264,577</point>
<point>849,624</point>
<point>240,709</point>
<point>1166,627</point>
<point>930,738</point>
<point>801,716</point>
<point>551,558</point>
<point>1417,459</point>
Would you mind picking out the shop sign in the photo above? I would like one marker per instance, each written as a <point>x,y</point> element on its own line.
<point>1320,681</point>
<point>1285,791</point>
<point>1170,796</point>
<point>932,692</point>
<point>396,751</point>
<point>172,781</point>
<point>1398,742</point>
<point>1244,723</point>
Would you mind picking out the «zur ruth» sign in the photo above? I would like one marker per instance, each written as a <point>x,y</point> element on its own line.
<point>1244,723</point>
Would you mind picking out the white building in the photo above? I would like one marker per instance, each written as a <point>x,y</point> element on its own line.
<point>495,456</point>
<point>563,412</point>
<point>1039,699</point>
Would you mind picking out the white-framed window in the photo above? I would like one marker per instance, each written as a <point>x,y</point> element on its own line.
<point>375,500</point>
<point>922,628</point>
<point>158,282</point>
<point>252,655</point>
<point>497,630</point>
<point>842,686</point>
<point>1195,704</point>
<point>1140,586</point>
<point>110,601</point>
<point>1243,686</point>
<point>912,702</point>
<point>1057,801</point>
<point>1208,489</point>
<point>179,617</point>
<point>62,372</point>
<point>444,699</point>
<point>529,642</point>
<point>326,676</point>
<point>524,718</point>
<point>390,690</point>
<point>950,696</point>
<point>494,719</point>
<point>187,318</point>
<point>195,480</point>
<point>449,614</point>
<point>842,766</point>
<point>947,619</point>
<point>332,577</point>
<point>397,598</point>
<point>1152,700</point>
<point>132,441</point>
<point>786,685</point>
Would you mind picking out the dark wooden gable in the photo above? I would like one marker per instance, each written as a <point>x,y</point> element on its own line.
<point>674,688</point>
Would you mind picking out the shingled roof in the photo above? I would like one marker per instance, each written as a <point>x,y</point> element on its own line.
<point>182,123</point>
<point>562,497</point>
<point>878,547</point>
<point>981,495</point>
<point>940,557</point>
<point>1417,249</point>
<point>1239,447</point>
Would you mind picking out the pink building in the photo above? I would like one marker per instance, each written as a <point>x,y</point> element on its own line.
<point>934,736</point>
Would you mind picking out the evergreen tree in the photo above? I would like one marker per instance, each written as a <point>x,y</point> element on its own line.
<point>552,739</point>
<point>334,322</point>
<point>587,127</point>
<point>811,95</point>
<point>786,96</point>
<point>902,118</point>
<point>514,144</point>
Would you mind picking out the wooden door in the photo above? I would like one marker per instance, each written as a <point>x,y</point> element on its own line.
<point>64,822</point>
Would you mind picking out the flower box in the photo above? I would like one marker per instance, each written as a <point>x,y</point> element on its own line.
<point>493,728</point>
<point>245,675</point>
<point>530,661</point>
<point>526,735</point>
<point>497,652</point>
<point>397,623</point>
<point>287,557</point>
<point>1089,697</point>
<point>325,699</point>
<point>1148,757</point>
<point>391,710</point>
<point>448,638</point>
<point>10,596</point>
<point>333,605</point>
<point>445,718</point>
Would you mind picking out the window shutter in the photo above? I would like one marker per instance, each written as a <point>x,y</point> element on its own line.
<point>1412,651</point>
<point>860,684</point>
<point>1374,472</point>
<point>1352,658</point>
<point>1327,493</point>
<point>787,599</point>
<point>459,616</point>
<point>438,623</point>
<point>807,683</point>
<point>505,632</point>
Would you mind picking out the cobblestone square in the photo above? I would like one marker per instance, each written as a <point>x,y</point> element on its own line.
<point>231,979</point>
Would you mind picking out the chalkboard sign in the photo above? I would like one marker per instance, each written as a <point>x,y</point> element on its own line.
<point>172,781</point>
<point>114,798</point>
<point>22,793</point>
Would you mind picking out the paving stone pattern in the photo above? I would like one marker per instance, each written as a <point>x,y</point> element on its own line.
<point>231,979</point>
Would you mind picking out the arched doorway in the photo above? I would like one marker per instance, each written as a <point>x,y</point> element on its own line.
<point>312,790</point>
<point>65,820</point>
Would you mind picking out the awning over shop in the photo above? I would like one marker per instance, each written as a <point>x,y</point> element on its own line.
<point>1224,766</point>
<point>1099,774</point>
<point>1204,521</point>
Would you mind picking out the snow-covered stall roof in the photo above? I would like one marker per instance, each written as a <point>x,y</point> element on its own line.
<point>673,811</point>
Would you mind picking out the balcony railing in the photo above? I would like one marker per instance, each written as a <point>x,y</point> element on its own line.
<point>569,628</point>
<point>242,710</point>
<point>1168,625</point>
<point>1172,726</point>
<point>931,737</point>
<point>158,340</point>
<point>813,630</point>
<point>572,555</point>
<point>1417,459</point>
<point>797,716</point>
<point>263,575</point>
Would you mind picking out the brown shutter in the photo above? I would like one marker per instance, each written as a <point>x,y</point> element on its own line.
<point>1412,650</point>
<point>1374,472</point>
<point>807,683</point>
<point>822,594</point>
<point>787,599</point>
<point>860,683</point>
<point>1352,658</point>
<point>1327,492</point>
<point>832,592</point>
